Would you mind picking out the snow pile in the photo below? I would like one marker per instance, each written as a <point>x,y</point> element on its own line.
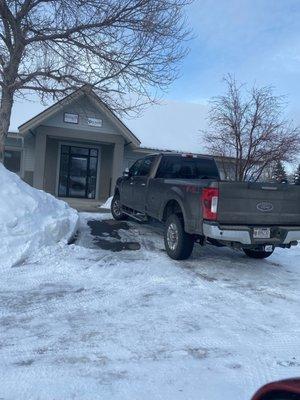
<point>107,204</point>
<point>30,219</point>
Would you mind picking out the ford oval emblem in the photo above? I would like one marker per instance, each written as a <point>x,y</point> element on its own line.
<point>264,206</point>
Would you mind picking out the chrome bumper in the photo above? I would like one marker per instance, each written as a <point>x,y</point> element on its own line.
<point>214,232</point>
<point>292,236</point>
<point>244,236</point>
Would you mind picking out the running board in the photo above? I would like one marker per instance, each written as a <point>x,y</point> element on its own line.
<point>137,216</point>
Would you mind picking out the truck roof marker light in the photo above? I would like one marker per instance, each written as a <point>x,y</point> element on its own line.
<point>189,155</point>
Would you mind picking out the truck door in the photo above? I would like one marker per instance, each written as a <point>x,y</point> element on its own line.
<point>126,195</point>
<point>140,185</point>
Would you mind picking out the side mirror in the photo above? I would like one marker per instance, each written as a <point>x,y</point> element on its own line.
<point>126,173</point>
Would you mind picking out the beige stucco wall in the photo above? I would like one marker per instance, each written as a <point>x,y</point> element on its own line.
<point>106,163</point>
<point>46,160</point>
<point>51,165</point>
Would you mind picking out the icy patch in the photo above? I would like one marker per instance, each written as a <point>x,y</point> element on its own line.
<point>30,219</point>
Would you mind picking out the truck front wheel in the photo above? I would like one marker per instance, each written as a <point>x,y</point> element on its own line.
<point>257,253</point>
<point>179,244</point>
<point>116,208</point>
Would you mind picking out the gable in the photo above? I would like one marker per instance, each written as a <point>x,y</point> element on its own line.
<point>82,110</point>
<point>88,116</point>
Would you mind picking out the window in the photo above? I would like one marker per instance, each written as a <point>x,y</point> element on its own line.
<point>146,166</point>
<point>12,160</point>
<point>79,151</point>
<point>142,167</point>
<point>133,171</point>
<point>178,167</point>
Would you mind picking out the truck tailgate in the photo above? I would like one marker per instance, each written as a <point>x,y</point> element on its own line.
<point>244,203</point>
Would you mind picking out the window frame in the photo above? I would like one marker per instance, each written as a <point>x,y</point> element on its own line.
<point>20,150</point>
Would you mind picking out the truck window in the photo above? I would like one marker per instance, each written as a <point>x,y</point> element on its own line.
<point>134,169</point>
<point>142,167</point>
<point>146,165</point>
<point>178,167</point>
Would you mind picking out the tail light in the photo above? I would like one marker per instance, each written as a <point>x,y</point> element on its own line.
<point>209,200</point>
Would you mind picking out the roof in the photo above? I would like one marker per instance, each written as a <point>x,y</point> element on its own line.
<point>50,111</point>
<point>151,150</point>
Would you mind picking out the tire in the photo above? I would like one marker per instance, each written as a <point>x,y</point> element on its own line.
<point>178,244</point>
<point>116,208</point>
<point>257,253</point>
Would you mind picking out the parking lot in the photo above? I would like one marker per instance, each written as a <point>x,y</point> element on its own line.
<point>111,316</point>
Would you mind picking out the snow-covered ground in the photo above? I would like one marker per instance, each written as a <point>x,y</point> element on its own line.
<point>30,219</point>
<point>80,322</point>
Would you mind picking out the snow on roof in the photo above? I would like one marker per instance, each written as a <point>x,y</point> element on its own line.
<point>172,125</point>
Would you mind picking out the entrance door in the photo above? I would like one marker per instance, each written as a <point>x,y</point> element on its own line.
<point>78,172</point>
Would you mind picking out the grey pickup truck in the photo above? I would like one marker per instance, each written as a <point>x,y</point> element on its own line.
<point>185,192</point>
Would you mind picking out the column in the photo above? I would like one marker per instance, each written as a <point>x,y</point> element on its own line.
<point>39,160</point>
<point>117,167</point>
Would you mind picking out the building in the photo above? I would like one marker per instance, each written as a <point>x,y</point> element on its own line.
<point>76,148</point>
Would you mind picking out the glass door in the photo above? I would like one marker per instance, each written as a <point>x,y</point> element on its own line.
<point>78,172</point>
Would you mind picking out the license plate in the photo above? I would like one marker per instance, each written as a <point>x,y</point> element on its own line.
<point>261,233</point>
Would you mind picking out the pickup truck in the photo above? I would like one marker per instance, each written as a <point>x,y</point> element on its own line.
<point>185,192</point>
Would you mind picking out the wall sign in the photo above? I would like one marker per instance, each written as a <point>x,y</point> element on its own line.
<point>94,121</point>
<point>71,118</point>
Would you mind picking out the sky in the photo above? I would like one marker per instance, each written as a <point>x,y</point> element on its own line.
<point>256,40</point>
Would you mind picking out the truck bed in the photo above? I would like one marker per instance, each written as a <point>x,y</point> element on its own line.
<point>243,203</point>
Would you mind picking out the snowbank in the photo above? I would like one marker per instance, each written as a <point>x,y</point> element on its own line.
<point>30,219</point>
<point>107,204</point>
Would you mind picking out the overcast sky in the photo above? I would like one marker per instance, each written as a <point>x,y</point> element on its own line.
<point>257,40</point>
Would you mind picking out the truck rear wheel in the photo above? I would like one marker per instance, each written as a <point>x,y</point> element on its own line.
<point>257,253</point>
<point>179,244</point>
<point>116,208</point>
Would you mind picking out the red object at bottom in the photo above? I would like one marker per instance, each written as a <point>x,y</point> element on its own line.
<point>288,389</point>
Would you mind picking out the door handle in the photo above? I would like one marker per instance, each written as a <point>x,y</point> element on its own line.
<point>143,184</point>
<point>131,183</point>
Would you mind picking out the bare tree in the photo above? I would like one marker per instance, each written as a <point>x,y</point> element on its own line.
<point>120,47</point>
<point>249,127</point>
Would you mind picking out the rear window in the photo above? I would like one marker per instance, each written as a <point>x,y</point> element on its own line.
<point>178,167</point>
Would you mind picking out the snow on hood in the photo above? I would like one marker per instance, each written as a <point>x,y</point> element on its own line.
<point>30,219</point>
